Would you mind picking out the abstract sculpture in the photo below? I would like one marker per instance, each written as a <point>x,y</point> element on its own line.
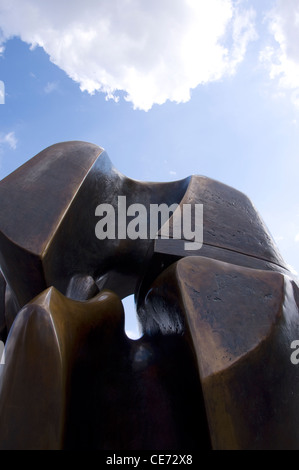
<point>213,367</point>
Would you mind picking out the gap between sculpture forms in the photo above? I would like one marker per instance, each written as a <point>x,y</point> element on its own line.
<point>132,327</point>
<point>2,353</point>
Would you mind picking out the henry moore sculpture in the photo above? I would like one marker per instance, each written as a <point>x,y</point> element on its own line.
<point>212,369</point>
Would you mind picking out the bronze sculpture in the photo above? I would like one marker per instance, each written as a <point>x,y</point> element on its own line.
<point>212,369</point>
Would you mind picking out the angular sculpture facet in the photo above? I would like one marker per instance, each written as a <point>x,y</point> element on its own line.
<point>212,369</point>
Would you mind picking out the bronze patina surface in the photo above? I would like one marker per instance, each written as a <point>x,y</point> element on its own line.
<point>212,369</point>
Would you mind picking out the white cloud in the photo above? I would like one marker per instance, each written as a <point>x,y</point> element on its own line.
<point>243,33</point>
<point>297,238</point>
<point>153,50</point>
<point>9,139</point>
<point>282,57</point>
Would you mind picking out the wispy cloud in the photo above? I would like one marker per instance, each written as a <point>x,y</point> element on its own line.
<point>297,238</point>
<point>282,57</point>
<point>154,51</point>
<point>9,139</point>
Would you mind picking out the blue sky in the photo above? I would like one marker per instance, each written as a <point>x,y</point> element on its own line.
<point>168,88</point>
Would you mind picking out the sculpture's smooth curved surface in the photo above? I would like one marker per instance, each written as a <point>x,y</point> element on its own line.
<point>213,368</point>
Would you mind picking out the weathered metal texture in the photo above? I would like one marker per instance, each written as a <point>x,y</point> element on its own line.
<point>240,323</point>
<point>47,223</point>
<point>232,227</point>
<point>213,367</point>
<point>233,232</point>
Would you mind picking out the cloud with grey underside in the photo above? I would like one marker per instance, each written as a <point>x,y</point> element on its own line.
<point>153,51</point>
